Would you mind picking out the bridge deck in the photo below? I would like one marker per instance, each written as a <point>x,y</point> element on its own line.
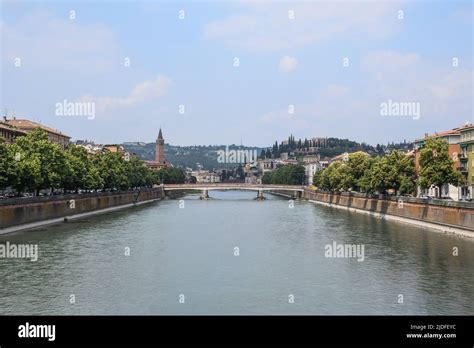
<point>224,186</point>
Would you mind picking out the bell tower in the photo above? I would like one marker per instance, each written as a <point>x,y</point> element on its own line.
<point>160,149</point>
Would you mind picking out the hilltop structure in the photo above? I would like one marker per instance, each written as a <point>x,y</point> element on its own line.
<point>160,159</point>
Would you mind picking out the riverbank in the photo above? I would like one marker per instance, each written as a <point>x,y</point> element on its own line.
<point>448,217</point>
<point>22,214</point>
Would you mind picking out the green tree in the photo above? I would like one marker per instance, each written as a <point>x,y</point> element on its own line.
<point>317,178</point>
<point>113,170</point>
<point>267,178</point>
<point>138,173</point>
<point>7,165</point>
<point>340,177</point>
<point>93,179</point>
<point>170,175</point>
<point>290,174</point>
<point>436,166</point>
<point>380,176</point>
<point>407,186</point>
<point>75,169</point>
<point>40,163</point>
<point>358,163</point>
<point>324,182</point>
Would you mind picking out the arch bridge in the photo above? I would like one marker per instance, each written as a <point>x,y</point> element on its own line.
<point>295,190</point>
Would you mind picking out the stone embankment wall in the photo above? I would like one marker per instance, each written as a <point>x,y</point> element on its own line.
<point>23,213</point>
<point>447,216</point>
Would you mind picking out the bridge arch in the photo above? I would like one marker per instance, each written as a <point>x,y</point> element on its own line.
<point>259,188</point>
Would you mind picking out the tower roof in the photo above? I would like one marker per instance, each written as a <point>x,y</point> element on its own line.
<point>160,135</point>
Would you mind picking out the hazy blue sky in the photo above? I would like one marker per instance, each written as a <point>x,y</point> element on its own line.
<point>283,61</point>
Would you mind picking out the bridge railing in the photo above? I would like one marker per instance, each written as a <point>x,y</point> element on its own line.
<point>236,185</point>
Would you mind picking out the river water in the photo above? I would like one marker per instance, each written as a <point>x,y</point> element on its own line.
<point>235,255</point>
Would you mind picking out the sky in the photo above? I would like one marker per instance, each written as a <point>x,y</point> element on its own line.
<point>231,72</point>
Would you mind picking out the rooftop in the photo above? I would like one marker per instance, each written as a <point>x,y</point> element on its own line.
<point>27,124</point>
<point>454,131</point>
<point>6,126</point>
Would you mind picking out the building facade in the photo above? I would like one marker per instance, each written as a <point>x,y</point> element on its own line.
<point>10,133</point>
<point>466,157</point>
<point>28,126</point>
<point>453,138</point>
<point>310,169</point>
<point>205,176</point>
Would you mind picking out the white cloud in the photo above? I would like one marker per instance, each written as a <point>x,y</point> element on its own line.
<point>410,77</point>
<point>265,26</point>
<point>287,64</point>
<point>141,93</point>
<point>42,41</point>
<point>389,60</point>
<point>444,92</point>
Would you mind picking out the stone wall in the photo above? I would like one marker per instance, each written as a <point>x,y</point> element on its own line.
<point>448,215</point>
<point>30,210</point>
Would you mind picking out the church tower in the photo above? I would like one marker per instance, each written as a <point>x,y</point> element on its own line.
<point>160,149</point>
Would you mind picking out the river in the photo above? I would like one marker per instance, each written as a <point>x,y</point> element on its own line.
<point>235,255</point>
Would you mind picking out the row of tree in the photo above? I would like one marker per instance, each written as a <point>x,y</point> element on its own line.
<point>394,172</point>
<point>33,163</point>
<point>290,174</point>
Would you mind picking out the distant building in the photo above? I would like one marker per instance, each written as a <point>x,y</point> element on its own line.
<point>252,173</point>
<point>28,126</point>
<point>343,157</point>
<point>310,169</point>
<point>253,179</point>
<point>266,165</point>
<point>204,176</point>
<point>117,149</point>
<point>311,158</point>
<point>10,133</point>
<point>160,159</point>
<point>453,138</point>
<point>324,164</point>
<point>90,147</point>
<point>467,158</point>
<point>160,149</point>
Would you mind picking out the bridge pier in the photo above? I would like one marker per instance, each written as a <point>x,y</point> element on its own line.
<point>260,196</point>
<point>204,194</point>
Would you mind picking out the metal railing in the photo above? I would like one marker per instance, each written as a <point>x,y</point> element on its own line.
<point>65,197</point>
<point>405,199</point>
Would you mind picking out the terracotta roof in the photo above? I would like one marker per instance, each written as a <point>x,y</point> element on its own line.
<point>27,124</point>
<point>8,127</point>
<point>466,127</point>
<point>454,131</point>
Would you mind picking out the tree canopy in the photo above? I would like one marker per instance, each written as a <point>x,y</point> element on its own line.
<point>34,163</point>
